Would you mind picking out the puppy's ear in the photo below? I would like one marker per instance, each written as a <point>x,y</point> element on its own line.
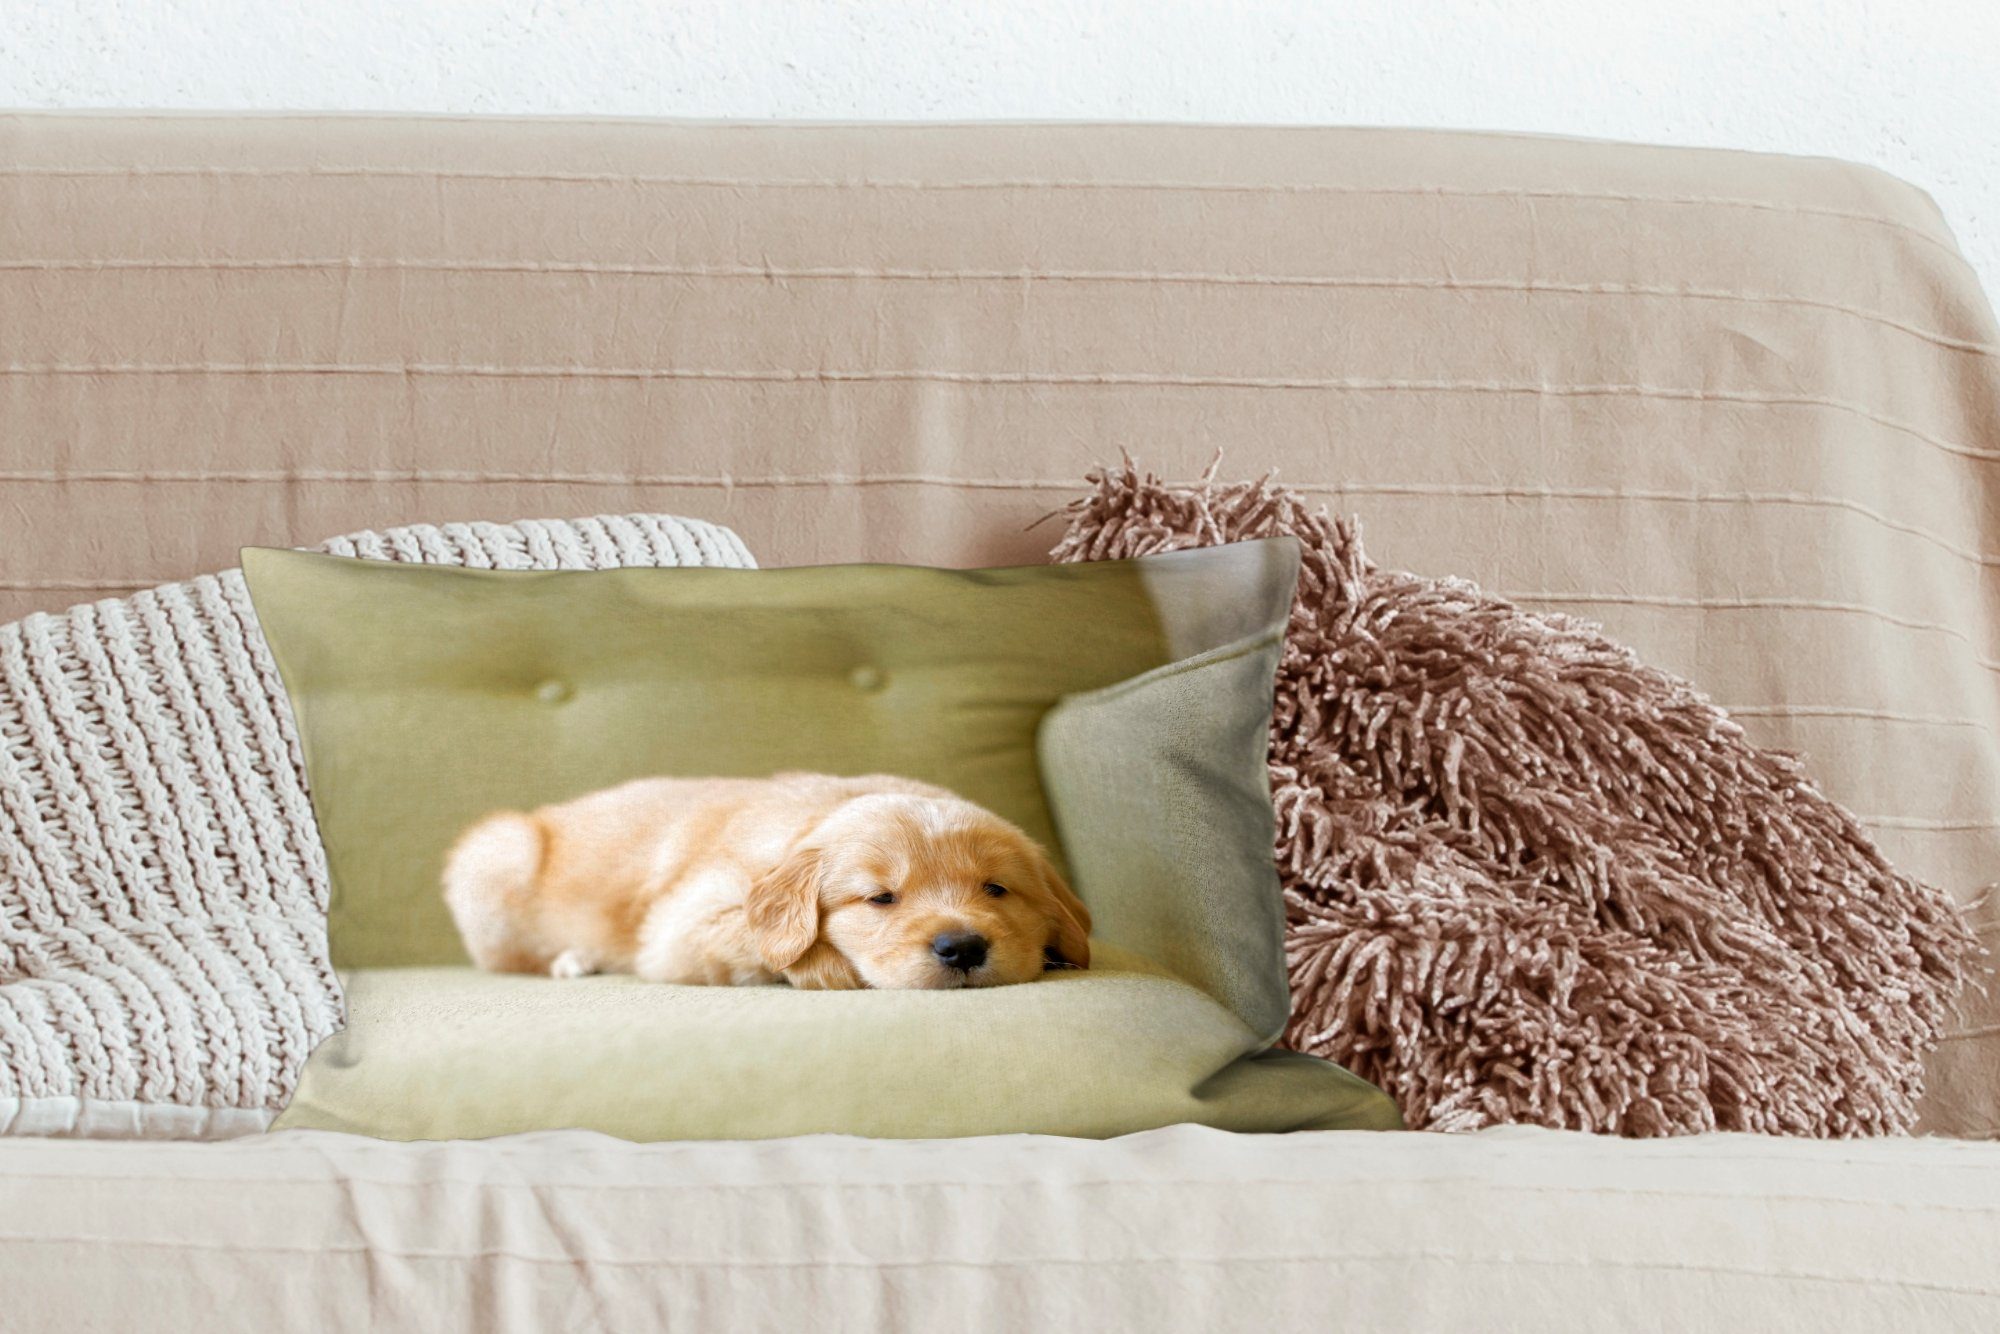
<point>782,909</point>
<point>824,968</point>
<point>1072,919</point>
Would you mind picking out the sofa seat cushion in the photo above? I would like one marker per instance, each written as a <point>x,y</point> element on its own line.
<point>1183,1228</point>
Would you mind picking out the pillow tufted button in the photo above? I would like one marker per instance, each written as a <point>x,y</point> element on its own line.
<point>866,677</point>
<point>553,692</point>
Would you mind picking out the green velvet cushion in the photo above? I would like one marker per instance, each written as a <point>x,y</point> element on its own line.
<point>449,1053</point>
<point>1117,711</point>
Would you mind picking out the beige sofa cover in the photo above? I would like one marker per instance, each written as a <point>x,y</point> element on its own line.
<point>1744,410</point>
<point>1183,1229</point>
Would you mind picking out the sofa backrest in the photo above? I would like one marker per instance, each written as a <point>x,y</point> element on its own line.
<point>1744,410</point>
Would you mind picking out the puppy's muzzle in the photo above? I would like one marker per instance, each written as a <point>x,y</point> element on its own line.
<point>963,950</point>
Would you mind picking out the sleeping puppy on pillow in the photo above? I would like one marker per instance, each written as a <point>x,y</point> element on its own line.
<point>820,881</point>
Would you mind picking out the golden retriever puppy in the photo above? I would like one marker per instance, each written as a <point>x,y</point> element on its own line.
<point>820,881</point>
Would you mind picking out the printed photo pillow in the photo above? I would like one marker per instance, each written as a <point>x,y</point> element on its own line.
<point>881,850</point>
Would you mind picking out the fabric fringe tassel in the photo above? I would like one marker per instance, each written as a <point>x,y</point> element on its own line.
<point>1531,879</point>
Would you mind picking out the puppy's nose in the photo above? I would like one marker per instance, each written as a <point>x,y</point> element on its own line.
<point>963,950</point>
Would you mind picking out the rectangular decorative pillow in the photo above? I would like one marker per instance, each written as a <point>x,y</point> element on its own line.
<point>1106,723</point>
<point>163,967</point>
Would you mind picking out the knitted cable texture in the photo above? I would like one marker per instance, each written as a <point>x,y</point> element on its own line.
<point>163,965</point>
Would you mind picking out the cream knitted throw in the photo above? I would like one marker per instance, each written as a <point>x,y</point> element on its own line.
<point>163,965</point>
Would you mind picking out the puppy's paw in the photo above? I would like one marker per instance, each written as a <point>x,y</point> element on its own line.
<point>572,963</point>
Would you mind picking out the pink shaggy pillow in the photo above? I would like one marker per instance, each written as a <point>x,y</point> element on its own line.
<point>1530,879</point>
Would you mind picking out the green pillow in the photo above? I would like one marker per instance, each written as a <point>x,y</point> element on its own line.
<point>1116,711</point>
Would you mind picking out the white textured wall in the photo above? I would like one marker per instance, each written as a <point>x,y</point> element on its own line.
<point>1909,85</point>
